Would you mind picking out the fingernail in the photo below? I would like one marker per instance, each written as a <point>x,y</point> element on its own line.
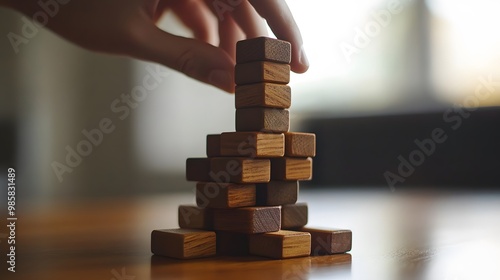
<point>221,79</point>
<point>303,57</point>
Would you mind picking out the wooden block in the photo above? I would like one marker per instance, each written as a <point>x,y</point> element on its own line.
<point>194,217</point>
<point>240,170</point>
<point>183,243</point>
<point>263,49</point>
<point>248,219</point>
<point>252,144</point>
<point>232,243</point>
<point>261,71</point>
<point>225,195</point>
<point>277,193</point>
<point>281,245</point>
<point>198,169</point>
<point>263,95</point>
<point>213,145</point>
<point>293,215</point>
<point>329,241</point>
<point>262,119</point>
<point>291,169</point>
<point>298,144</point>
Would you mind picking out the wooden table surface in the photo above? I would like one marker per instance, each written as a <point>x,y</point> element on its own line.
<point>402,235</point>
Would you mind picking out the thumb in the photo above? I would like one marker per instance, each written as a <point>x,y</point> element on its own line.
<point>192,57</point>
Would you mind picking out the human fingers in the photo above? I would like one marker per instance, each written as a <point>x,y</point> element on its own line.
<point>283,25</point>
<point>197,17</point>
<point>192,57</point>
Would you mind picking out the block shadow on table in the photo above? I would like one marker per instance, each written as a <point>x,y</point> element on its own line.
<point>223,267</point>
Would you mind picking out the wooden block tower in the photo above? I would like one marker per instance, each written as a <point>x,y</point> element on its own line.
<point>247,186</point>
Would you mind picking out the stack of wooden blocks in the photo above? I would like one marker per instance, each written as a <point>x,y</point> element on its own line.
<point>248,184</point>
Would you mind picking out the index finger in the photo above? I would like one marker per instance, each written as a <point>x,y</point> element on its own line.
<point>283,25</point>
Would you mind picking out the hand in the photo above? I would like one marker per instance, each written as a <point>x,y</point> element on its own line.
<point>129,28</point>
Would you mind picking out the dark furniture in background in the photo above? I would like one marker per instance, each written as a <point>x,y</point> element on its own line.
<point>360,150</point>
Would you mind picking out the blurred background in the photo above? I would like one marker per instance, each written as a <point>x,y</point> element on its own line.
<point>383,74</point>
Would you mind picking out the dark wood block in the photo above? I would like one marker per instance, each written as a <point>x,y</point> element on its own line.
<point>291,169</point>
<point>262,119</point>
<point>198,169</point>
<point>252,144</point>
<point>213,145</point>
<point>183,243</point>
<point>263,95</point>
<point>329,241</point>
<point>263,49</point>
<point>232,243</point>
<point>299,144</point>
<point>260,72</point>
<point>277,193</point>
<point>248,219</point>
<point>294,215</point>
<point>225,195</point>
<point>193,217</point>
<point>281,245</point>
<point>240,170</point>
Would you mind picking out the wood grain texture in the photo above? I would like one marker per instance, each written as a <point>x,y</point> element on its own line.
<point>194,217</point>
<point>291,169</point>
<point>213,145</point>
<point>260,72</point>
<point>280,245</point>
<point>183,243</point>
<point>262,119</point>
<point>263,49</point>
<point>252,144</point>
<point>198,169</point>
<point>294,215</point>
<point>248,219</point>
<point>263,95</point>
<point>299,144</point>
<point>225,195</point>
<point>329,241</point>
<point>80,238</point>
<point>240,170</point>
<point>277,193</point>
<point>232,243</point>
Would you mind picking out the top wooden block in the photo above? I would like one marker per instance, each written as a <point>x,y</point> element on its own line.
<point>263,49</point>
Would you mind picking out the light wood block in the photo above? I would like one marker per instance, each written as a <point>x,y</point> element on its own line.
<point>294,215</point>
<point>298,144</point>
<point>248,219</point>
<point>291,169</point>
<point>225,195</point>
<point>260,72</point>
<point>213,145</point>
<point>198,169</point>
<point>193,217</point>
<point>277,193</point>
<point>232,243</point>
<point>263,49</point>
<point>281,245</point>
<point>329,241</point>
<point>183,243</point>
<point>240,170</point>
<point>262,119</point>
<point>263,95</point>
<point>252,144</point>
